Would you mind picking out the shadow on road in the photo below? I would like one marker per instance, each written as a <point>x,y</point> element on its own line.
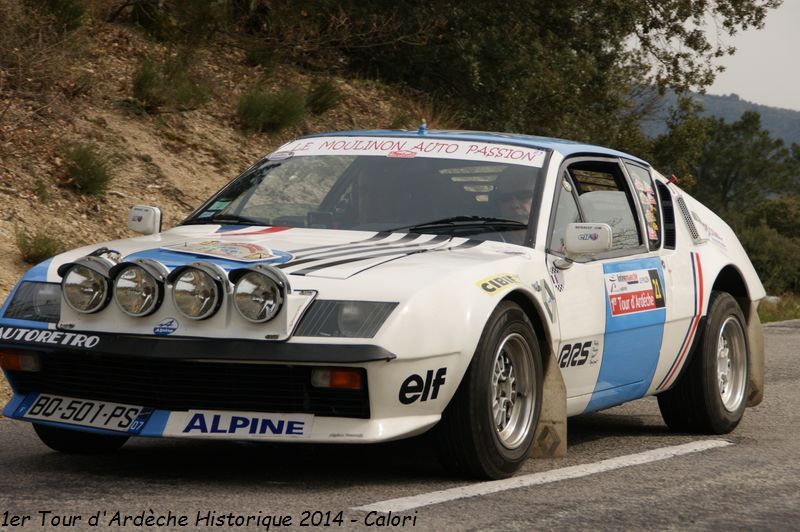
<point>184,463</point>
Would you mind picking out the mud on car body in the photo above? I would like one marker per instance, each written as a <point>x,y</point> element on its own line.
<point>368,286</point>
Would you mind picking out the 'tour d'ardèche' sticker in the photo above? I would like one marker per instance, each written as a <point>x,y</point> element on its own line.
<point>634,291</point>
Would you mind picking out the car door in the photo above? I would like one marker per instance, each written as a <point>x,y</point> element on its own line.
<point>612,305</point>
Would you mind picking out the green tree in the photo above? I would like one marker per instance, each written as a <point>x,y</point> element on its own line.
<point>677,151</point>
<point>741,163</point>
<point>569,68</point>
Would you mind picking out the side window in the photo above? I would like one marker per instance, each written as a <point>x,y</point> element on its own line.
<point>646,195</point>
<point>566,213</point>
<point>605,198</point>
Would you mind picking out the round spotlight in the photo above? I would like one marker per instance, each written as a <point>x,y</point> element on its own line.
<point>196,294</point>
<point>85,290</point>
<point>257,297</point>
<point>137,292</point>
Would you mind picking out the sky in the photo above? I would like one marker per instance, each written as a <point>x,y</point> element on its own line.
<point>766,66</point>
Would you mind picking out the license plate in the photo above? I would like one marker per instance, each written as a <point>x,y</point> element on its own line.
<point>85,413</point>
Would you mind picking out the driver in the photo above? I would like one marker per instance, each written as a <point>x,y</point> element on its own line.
<point>514,193</point>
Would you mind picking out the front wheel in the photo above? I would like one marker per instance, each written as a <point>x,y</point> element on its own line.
<point>710,396</point>
<point>77,442</point>
<point>487,429</point>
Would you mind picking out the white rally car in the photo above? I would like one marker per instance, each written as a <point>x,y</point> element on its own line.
<point>368,286</point>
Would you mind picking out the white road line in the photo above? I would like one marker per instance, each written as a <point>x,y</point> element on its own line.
<point>534,479</point>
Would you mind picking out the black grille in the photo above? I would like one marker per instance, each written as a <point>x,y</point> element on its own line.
<point>186,385</point>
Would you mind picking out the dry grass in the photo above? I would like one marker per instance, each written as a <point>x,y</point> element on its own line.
<point>787,307</point>
<point>37,245</point>
<point>58,88</point>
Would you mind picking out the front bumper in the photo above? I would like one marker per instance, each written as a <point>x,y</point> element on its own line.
<point>229,389</point>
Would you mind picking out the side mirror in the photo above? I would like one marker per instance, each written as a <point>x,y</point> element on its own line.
<point>587,238</point>
<point>144,219</point>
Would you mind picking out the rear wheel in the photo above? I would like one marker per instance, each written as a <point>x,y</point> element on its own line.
<point>77,442</point>
<point>710,396</point>
<point>487,429</point>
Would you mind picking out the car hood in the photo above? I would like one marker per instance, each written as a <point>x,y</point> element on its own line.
<point>310,253</point>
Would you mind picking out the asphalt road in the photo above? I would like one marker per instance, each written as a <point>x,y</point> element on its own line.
<point>753,482</point>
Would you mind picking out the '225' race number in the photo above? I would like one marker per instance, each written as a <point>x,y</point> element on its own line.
<point>574,354</point>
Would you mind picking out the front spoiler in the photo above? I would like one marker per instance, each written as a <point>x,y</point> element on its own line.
<point>163,424</point>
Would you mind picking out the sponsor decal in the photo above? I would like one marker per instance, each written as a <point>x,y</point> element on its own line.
<point>402,154</point>
<point>48,337</point>
<point>588,236</point>
<point>166,327</point>
<point>416,388</point>
<point>437,148</point>
<point>280,155</point>
<point>712,234</point>
<point>557,278</point>
<point>245,425</point>
<point>577,354</point>
<point>240,251</point>
<point>497,283</point>
<point>634,291</point>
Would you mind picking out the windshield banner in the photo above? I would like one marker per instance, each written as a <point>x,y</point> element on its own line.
<point>412,147</point>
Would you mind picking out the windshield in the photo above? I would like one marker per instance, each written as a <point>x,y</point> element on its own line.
<point>485,195</point>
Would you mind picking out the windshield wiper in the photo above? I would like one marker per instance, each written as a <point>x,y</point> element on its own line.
<point>233,219</point>
<point>501,224</point>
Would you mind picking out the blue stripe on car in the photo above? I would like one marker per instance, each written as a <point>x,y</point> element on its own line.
<point>631,346</point>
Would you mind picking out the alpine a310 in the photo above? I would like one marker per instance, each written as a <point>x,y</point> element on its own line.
<point>374,285</point>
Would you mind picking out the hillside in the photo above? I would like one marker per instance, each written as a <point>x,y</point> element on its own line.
<point>781,123</point>
<point>170,159</point>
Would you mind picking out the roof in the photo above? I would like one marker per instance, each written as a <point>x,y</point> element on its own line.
<point>562,146</point>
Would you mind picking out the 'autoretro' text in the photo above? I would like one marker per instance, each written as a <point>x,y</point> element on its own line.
<point>46,336</point>
<point>262,520</point>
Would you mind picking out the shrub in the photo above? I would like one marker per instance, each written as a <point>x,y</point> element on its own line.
<point>87,170</point>
<point>156,85</point>
<point>184,22</point>
<point>68,13</point>
<point>40,189</point>
<point>774,256</point>
<point>323,97</point>
<point>259,54</point>
<point>271,112</point>
<point>147,83</point>
<point>36,54</point>
<point>38,246</point>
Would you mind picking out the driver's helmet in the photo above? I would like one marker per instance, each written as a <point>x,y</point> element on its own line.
<point>514,181</point>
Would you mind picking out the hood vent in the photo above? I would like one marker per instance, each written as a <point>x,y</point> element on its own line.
<point>690,225</point>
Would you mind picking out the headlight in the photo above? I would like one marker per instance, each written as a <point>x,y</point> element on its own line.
<point>36,301</point>
<point>347,319</point>
<point>196,294</point>
<point>351,318</point>
<point>137,292</point>
<point>257,297</point>
<point>84,289</point>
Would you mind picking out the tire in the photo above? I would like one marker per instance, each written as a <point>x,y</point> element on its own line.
<point>480,436</point>
<point>77,442</point>
<point>711,394</point>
